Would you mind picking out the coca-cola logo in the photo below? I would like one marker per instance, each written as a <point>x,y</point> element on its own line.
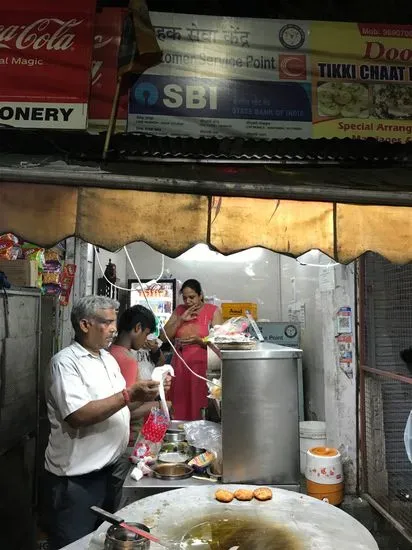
<point>48,33</point>
<point>96,72</point>
<point>100,41</point>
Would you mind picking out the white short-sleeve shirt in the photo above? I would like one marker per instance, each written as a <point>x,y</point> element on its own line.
<point>76,378</point>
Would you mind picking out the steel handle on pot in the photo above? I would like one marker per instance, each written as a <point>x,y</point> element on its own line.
<point>110,518</point>
<point>115,520</point>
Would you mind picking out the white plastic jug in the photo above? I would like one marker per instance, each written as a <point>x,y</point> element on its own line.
<point>312,434</point>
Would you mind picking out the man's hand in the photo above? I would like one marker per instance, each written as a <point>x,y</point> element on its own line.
<point>167,383</point>
<point>144,390</point>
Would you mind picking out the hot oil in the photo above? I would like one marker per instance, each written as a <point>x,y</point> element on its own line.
<point>239,533</point>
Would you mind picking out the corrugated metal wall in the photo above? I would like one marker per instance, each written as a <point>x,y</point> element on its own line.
<point>388,330</point>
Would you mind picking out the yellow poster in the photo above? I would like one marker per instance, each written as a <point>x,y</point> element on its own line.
<point>362,81</point>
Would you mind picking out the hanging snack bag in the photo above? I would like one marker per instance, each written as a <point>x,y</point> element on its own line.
<point>9,247</point>
<point>150,439</point>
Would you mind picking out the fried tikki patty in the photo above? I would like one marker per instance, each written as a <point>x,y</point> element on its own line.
<point>262,493</point>
<point>223,496</point>
<point>243,494</point>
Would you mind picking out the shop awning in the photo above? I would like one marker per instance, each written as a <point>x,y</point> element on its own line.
<point>344,212</point>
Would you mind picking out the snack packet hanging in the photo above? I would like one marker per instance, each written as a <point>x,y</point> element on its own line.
<point>9,252</point>
<point>150,439</point>
<point>33,252</point>
<point>9,247</point>
<point>9,237</point>
<point>215,389</point>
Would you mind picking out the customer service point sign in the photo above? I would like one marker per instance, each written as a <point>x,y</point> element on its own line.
<point>273,79</point>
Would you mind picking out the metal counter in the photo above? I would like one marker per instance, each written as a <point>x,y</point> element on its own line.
<point>148,486</point>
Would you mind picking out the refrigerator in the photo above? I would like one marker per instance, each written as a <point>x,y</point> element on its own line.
<point>161,296</point>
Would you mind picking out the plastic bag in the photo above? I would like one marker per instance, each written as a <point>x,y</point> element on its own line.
<point>9,247</point>
<point>215,389</point>
<point>159,374</point>
<point>235,325</point>
<point>407,437</point>
<point>205,435</point>
<point>236,330</point>
<point>150,439</point>
<point>33,252</point>
<point>9,253</point>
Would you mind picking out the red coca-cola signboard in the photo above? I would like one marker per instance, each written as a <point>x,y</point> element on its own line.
<point>107,36</point>
<point>45,63</point>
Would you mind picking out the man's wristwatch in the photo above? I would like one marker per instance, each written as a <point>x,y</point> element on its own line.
<point>126,396</point>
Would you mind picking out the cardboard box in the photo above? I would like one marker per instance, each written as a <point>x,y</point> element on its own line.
<point>20,272</point>
<point>238,309</point>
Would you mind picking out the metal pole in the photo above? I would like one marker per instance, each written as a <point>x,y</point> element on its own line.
<point>113,118</point>
<point>362,459</point>
<point>390,375</point>
<point>219,187</point>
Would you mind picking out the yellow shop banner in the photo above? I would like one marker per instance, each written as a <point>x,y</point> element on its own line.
<point>361,81</point>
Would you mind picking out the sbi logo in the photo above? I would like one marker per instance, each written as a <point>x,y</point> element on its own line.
<point>174,96</point>
<point>146,94</point>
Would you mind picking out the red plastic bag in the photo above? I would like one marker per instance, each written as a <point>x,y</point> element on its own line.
<point>149,442</point>
<point>155,427</point>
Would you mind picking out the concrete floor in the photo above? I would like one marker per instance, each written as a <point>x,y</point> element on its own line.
<point>384,533</point>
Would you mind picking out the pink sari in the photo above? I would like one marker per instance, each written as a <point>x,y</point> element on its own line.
<point>188,393</point>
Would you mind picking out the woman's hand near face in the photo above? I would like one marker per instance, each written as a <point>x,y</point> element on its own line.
<point>190,313</point>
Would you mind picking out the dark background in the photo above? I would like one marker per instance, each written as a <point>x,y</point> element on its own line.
<point>398,11</point>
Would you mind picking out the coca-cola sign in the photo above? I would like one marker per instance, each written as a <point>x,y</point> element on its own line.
<point>45,59</point>
<point>107,36</point>
<point>48,34</point>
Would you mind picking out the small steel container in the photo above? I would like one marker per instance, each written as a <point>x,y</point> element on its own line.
<point>119,538</point>
<point>178,470</point>
<point>174,437</point>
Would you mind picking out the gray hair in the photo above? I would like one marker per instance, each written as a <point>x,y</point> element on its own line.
<point>87,308</point>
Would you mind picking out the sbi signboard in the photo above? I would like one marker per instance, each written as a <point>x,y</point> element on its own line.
<point>191,98</point>
<point>165,105</point>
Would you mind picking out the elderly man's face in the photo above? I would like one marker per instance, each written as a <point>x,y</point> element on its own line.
<point>100,330</point>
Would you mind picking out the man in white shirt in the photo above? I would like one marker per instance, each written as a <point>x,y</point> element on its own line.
<point>88,407</point>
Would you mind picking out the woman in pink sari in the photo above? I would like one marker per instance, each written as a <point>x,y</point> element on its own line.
<point>187,326</point>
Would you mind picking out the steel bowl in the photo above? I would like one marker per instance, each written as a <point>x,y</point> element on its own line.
<point>176,426</point>
<point>196,451</point>
<point>119,538</point>
<point>174,437</point>
<point>167,470</point>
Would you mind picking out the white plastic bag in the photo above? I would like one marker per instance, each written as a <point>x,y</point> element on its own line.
<point>158,375</point>
<point>407,437</point>
<point>205,435</point>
